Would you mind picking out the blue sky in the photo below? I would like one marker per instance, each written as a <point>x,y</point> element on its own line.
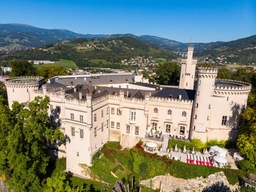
<point>184,21</point>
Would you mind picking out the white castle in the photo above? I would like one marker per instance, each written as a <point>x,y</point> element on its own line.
<point>94,109</point>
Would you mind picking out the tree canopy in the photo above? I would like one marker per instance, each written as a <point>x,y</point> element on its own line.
<point>22,68</point>
<point>25,133</point>
<point>168,74</point>
<point>50,71</point>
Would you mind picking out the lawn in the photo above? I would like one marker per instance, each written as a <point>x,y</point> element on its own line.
<point>146,165</point>
<point>67,64</point>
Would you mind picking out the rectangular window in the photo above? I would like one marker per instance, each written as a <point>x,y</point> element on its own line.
<point>196,105</point>
<point>95,117</point>
<point>128,129</point>
<point>113,111</point>
<point>81,118</point>
<point>137,130</point>
<point>102,127</point>
<point>72,131</point>
<point>118,125</point>
<point>102,113</point>
<point>118,112</point>
<point>209,106</point>
<point>107,124</point>
<point>95,131</point>
<point>107,110</point>
<point>81,133</point>
<point>72,116</point>
<point>154,126</point>
<point>168,128</point>
<point>224,120</point>
<point>112,124</point>
<point>132,115</point>
<point>195,116</point>
<point>207,118</point>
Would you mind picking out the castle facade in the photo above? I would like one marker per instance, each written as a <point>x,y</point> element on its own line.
<point>94,109</point>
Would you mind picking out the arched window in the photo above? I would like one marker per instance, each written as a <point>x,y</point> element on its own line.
<point>155,110</point>
<point>182,130</point>
<point>169,112</point>
<point>184,114</point>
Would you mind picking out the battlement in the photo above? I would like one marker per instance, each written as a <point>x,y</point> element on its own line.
<point>171,100</point>
<point>232,85</point>
<point>207,70</point>
<point>24,81</point>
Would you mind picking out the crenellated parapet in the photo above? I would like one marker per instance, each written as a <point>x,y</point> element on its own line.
<point>207,72</point>
<point>24,82</point>
<point>170,100</point>
<point>231,87</point>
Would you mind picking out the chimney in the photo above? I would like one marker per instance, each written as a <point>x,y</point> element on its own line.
<point>80,95</point>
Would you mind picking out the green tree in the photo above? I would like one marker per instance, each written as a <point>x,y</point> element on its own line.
<point>51,71</point>
<point>22,68</point>
<point>168,74</point>
<point>24,137</point>
<point>58,183</point>
<point>224,73</point>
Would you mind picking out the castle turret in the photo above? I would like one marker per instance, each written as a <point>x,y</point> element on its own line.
<point>21,89</point>
<point>187,73</point>
<point>202,102</point>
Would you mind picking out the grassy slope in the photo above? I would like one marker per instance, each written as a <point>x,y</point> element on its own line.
<point>67,64</point>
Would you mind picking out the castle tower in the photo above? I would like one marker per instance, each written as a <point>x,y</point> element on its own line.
<point>21,89</point>
<point>202,103</point>
<point>187,73</point>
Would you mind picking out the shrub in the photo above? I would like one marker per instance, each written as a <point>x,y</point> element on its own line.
<point>213,142</point>
<point>245,165</point>
<point>96,156</point>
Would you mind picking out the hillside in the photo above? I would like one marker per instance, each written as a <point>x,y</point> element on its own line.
<point>16,36</point>
<point>175,45</point>
<point>239,51</point>
<point>85,51</point>
<point>19,37</point>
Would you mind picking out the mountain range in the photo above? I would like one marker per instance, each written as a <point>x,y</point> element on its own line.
<point>20,36</point>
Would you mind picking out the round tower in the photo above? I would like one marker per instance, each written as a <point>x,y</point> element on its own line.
<point>21,89</point>
<point>202,103</point>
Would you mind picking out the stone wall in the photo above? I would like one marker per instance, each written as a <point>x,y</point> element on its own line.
<point>214,182</point>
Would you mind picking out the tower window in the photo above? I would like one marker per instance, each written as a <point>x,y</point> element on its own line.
<point>72,131</point>
<point>81,133</point>
<point>137,130</point>
<point>155,110</point>
<point>127,128</point>
<point>169,112</point>
<point>184,114</point>
<point>224,120</point>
